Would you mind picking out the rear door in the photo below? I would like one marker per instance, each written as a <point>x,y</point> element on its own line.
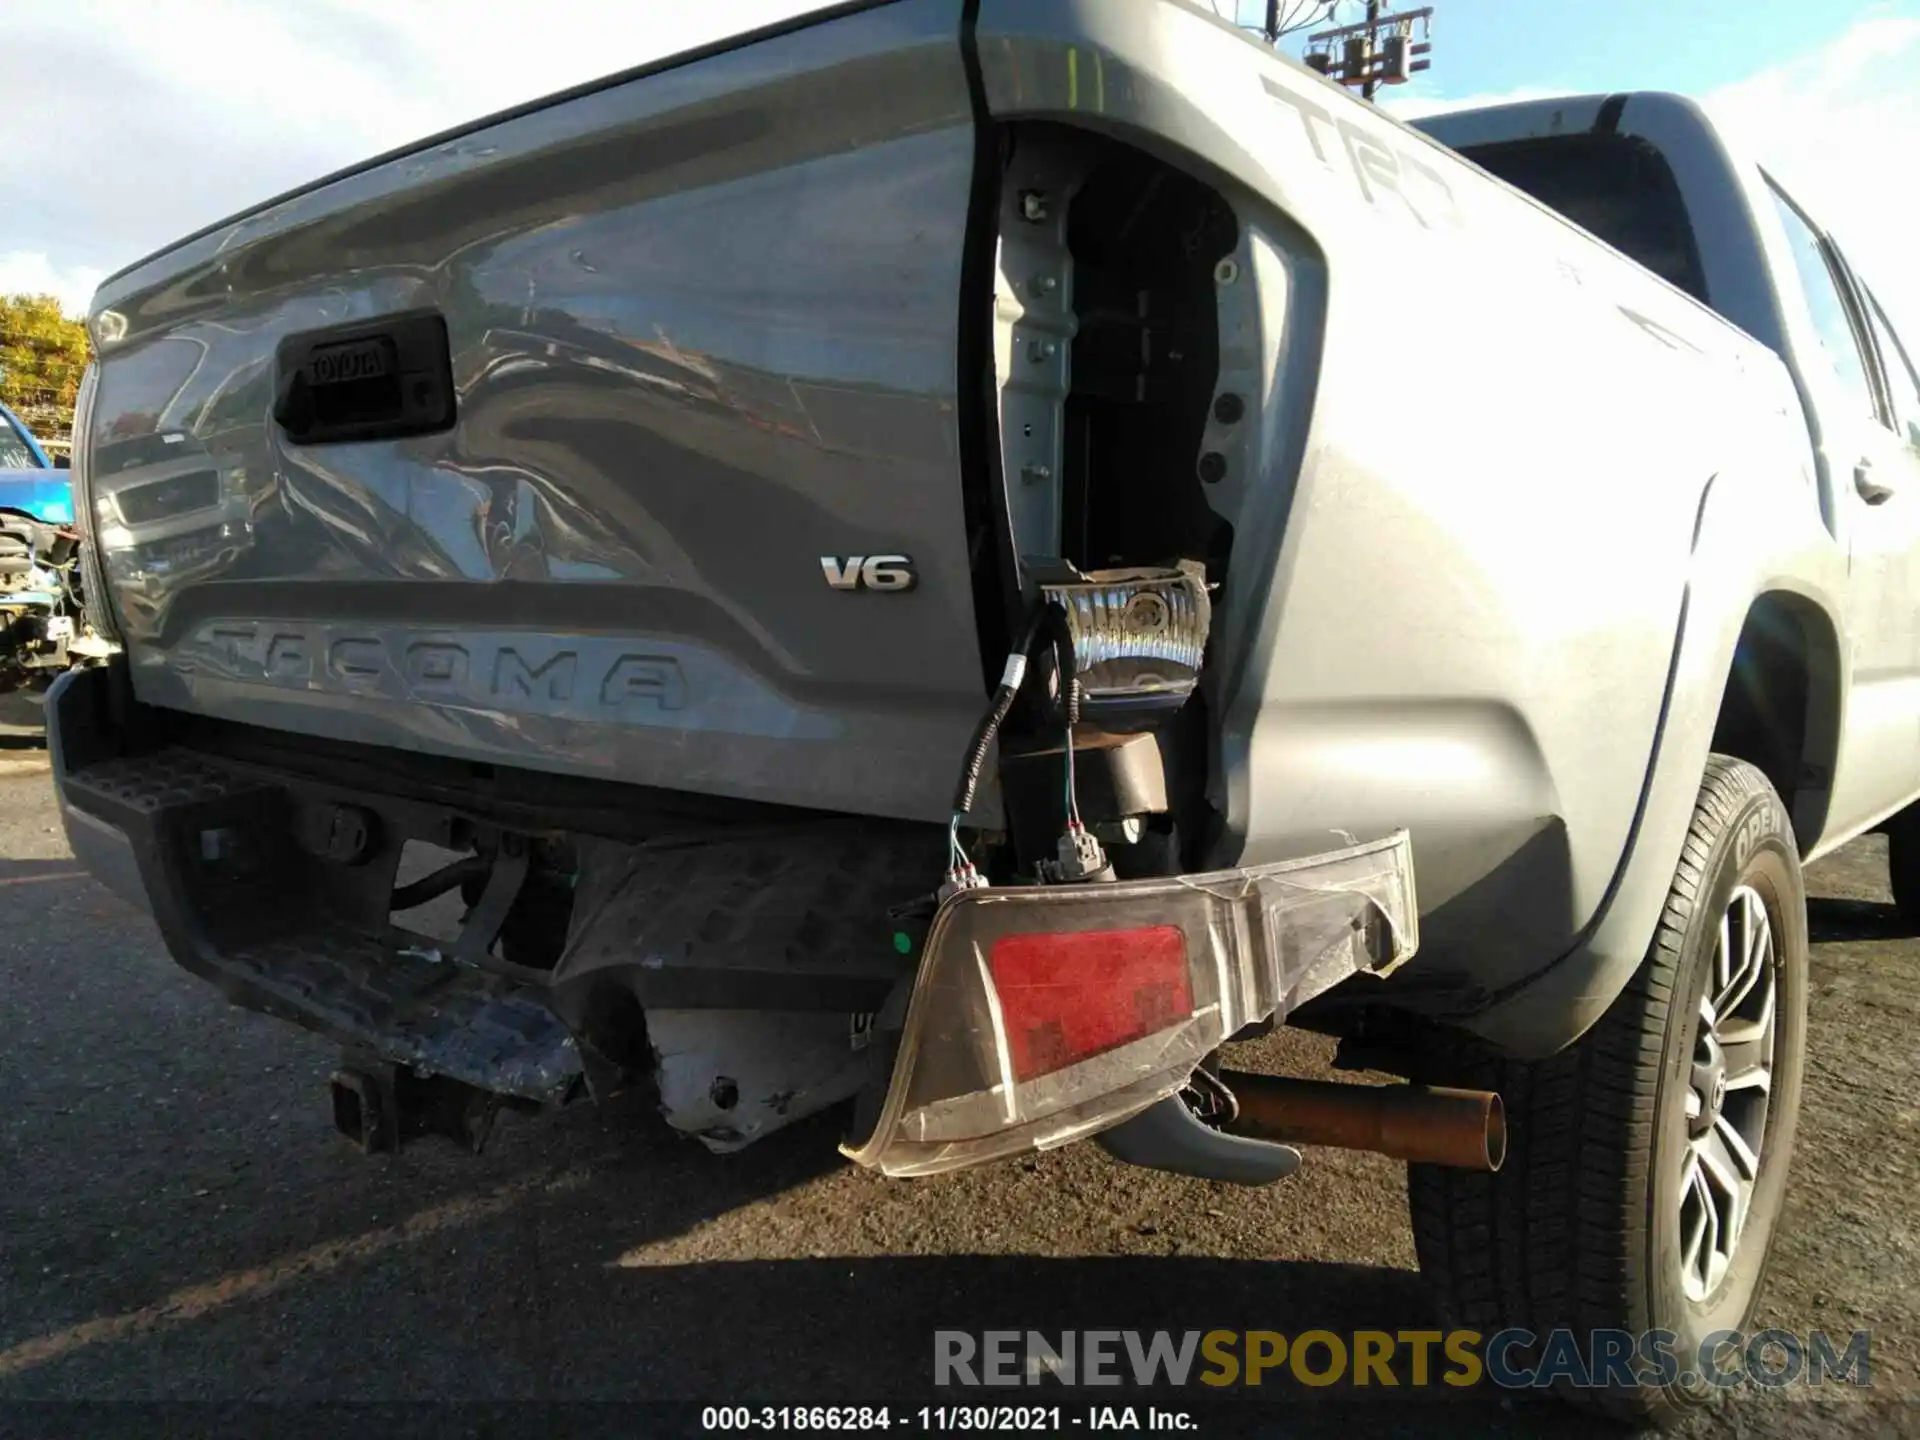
<point>1895,446</point>
<point>1876,475</point>
<point>1902,388</point>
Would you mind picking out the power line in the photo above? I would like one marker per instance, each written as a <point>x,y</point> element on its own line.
<point>1285,17</point>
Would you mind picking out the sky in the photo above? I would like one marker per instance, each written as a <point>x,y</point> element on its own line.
<point>129,123</point>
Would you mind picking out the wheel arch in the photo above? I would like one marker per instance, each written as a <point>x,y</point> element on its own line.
<point>1780,705</point>
<point>1764,574</point>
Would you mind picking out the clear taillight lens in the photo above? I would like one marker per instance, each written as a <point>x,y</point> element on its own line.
<point>1042,1014</point>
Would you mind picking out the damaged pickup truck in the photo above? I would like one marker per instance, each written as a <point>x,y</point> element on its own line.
<point>963,556</point>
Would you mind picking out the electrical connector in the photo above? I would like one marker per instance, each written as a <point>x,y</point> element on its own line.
<point>1080,857</point>
<point>961,877</point>
<point>961,874</point>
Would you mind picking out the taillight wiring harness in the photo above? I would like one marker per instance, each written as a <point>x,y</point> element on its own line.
<point>1080,856</point>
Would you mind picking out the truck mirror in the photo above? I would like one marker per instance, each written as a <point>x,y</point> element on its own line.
<point>62,462</point>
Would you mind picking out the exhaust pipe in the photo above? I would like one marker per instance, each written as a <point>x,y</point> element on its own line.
<point>1462,1129</point>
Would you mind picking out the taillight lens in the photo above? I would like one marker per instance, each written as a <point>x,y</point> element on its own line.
<point>1067,997</point>
<point>1044,1013</point>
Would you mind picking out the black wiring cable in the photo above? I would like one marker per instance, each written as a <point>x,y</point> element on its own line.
<point>1001,705</point>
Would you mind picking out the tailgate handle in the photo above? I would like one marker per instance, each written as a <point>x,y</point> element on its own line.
<point>366,380</point>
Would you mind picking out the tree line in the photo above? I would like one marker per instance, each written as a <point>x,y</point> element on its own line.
<point>42,356</point>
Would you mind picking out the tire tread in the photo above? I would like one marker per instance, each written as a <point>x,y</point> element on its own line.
<point>1556,1249</point>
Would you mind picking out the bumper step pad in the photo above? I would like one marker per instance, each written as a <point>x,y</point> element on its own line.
<point>231,899</point>
<point>431,1015</point>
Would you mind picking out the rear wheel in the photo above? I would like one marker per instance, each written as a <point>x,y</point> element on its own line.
<point>1648,1161</point>
<point>1903,864</point>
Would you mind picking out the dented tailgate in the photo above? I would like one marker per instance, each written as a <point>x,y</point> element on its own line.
<point>700,330</point>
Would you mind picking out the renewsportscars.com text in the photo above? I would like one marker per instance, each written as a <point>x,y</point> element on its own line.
<point>1511,1359</point>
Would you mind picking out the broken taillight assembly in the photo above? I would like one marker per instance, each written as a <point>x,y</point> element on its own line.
<point>1043,1013</point>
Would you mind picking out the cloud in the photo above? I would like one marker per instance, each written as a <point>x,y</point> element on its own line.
<point>1840,130</point>
<point>129,123</point>
<point>33,272</point>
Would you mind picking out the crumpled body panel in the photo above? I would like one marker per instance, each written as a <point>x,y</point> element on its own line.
<point>702,330</point>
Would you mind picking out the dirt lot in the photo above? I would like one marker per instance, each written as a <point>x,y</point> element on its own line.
<point>178,1224</point>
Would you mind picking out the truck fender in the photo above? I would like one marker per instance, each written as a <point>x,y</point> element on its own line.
<point>1758,532</point>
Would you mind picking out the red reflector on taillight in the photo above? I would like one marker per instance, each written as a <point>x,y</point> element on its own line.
<point>1068,996</point>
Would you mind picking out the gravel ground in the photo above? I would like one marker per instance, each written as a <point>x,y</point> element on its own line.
<point>178,1223</point>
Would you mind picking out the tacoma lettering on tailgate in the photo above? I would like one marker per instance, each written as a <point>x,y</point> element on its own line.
<point>590,675</point>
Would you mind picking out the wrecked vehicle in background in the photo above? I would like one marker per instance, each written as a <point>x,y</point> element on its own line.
<point>43,632</point>
<point>963,557</point>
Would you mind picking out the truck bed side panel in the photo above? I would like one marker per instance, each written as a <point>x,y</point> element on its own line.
<point>1462,538</point>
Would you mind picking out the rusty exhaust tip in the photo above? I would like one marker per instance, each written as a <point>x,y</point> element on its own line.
<point>1496,1132</point>
<point>1423,1125</point>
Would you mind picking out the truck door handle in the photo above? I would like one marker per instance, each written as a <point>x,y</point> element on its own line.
<point>1874,492</point>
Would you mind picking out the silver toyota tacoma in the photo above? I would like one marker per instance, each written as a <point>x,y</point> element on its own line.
<point>959,557</point>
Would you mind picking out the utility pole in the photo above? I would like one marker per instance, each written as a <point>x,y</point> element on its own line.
<point>1371,82</point>
<point>1380,50</point>
<point>1284,17</point>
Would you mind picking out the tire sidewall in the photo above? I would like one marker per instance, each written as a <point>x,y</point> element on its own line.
<point>1757,849</point>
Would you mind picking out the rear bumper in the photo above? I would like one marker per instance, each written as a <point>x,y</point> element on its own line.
<point>974,1058</point>
<point>206,851</point>
<point>104,848</point>
<point>106,852</point>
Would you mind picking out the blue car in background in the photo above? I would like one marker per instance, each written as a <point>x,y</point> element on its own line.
<point>43,632</point>
<point>30,481</point>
